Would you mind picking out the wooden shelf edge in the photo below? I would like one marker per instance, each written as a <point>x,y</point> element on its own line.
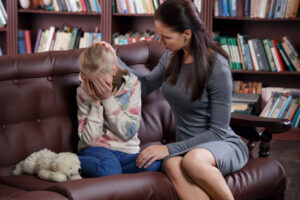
<point>132,15</point>
<point>3,29</point>
<point>39,11</point>
<point>258,19</point>
<point>265,72</point>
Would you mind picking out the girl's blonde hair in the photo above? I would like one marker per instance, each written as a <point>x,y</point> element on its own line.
<point>97,59</point>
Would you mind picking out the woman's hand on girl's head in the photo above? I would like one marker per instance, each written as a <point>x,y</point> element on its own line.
<point>107,45</point>
<point>151,154</point>
<point>102,88</point>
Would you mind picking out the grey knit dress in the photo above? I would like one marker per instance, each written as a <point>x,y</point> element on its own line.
<point>203,123</point>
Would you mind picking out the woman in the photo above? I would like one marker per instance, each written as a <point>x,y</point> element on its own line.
<point>197,83</point>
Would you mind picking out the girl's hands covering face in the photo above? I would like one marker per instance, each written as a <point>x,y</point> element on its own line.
<point>102,88</point>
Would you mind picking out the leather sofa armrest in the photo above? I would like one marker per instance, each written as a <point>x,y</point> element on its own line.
<point>255,128</point>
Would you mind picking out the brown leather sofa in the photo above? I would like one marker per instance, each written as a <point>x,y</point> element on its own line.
<point>38,110</point>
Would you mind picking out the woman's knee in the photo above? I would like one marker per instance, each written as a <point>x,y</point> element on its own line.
<point>198,161</point>
<point>173,167</point>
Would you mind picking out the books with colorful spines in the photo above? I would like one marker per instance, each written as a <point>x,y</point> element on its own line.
<point>253,55</point>
<point>21,42</point>
<point>258,53</point>
<point>269,55</point>
<point>276,55</point>
<point>268,106</point>
<point>279,106</point>
<point>73,37</point>
<point>232,53</point>
<point>290,107</point>
<point>285,58</point>
<point>27,41</point>
<point>296,117</point>
<point>49,38</point>
<point>240,8</point>
<point>245,50</point>
<point>237,54</point>
<point>285,105</point>
<point>293,112</point>
<point>264,58</point>
<point>290,54</point>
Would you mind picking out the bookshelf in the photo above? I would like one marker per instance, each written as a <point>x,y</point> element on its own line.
<point>261,28</point>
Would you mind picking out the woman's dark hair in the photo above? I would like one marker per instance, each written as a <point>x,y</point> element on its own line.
<point>181,15</point>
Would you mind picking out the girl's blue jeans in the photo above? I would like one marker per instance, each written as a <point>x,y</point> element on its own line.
<point>100,161</point>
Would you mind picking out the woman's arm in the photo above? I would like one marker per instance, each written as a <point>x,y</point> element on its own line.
<point>90,118</point>
<point>154,79</point>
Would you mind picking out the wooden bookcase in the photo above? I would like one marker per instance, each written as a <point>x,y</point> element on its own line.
<point>261,28</point>
<point>109,23</point>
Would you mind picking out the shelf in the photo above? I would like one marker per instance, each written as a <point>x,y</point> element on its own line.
<point>3,29</point>
<point>266,72</point>
<point>258,19</point>
<point>132,15</point>
<point>46,12</point>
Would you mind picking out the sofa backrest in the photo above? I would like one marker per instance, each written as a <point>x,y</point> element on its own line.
<point>38,105</point>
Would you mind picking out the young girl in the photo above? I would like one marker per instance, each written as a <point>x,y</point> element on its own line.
<point>109,108</point>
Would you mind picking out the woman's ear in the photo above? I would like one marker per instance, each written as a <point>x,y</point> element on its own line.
<point>188,34</point>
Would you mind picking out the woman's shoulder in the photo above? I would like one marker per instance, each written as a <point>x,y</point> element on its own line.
<point>220,65</point>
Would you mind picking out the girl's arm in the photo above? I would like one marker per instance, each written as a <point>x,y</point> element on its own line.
<point>90,118</point>
<point>152,80</point>
<point>123,113</point>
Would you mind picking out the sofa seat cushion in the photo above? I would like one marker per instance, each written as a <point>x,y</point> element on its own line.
<point>146,185</point>
<point>10,193</point>
<point>259,178</point>
<point>141,186</point>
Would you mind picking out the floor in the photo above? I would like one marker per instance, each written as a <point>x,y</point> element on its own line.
<point>287,152</point>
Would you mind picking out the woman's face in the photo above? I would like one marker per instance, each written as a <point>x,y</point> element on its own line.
<point>171,40</point>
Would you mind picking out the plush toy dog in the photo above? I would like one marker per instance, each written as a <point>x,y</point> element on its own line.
<point>50,166</point>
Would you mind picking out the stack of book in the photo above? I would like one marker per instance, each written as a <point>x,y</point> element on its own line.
<point>53,39</point>
<point>3,14</point>
<point>285,106</point>
<point>260,54</point>
<point>132,37</point>
<point>75,6</point>
<point>136,6</point>
<point>257,8</point>
<point>245,97</point>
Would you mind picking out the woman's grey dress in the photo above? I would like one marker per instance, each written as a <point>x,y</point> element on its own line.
<point>203,123</point>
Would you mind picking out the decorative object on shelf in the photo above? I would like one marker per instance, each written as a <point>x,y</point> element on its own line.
<point>34,4</point>
<point>25,4</point>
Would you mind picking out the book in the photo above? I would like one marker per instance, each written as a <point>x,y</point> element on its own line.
<point>285,58</point>
<point>269,54</point>
<point>253,55</point>
<point>290,54</point>
<point>277,56</point>
<point>27,41</point>
<point>37,40</point>
<point>285,106</point>
<point>21,42</point>
<point>1,52</point>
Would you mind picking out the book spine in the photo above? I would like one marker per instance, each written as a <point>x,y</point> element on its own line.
<point>27,41</point>
<point>21,42</point>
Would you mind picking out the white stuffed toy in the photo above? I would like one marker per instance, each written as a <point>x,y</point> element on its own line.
<point>50,166</point>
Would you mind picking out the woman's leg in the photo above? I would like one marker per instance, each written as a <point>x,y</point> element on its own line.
<point>185,187</point>
<point>99,161</point>
<point>200,165</point>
